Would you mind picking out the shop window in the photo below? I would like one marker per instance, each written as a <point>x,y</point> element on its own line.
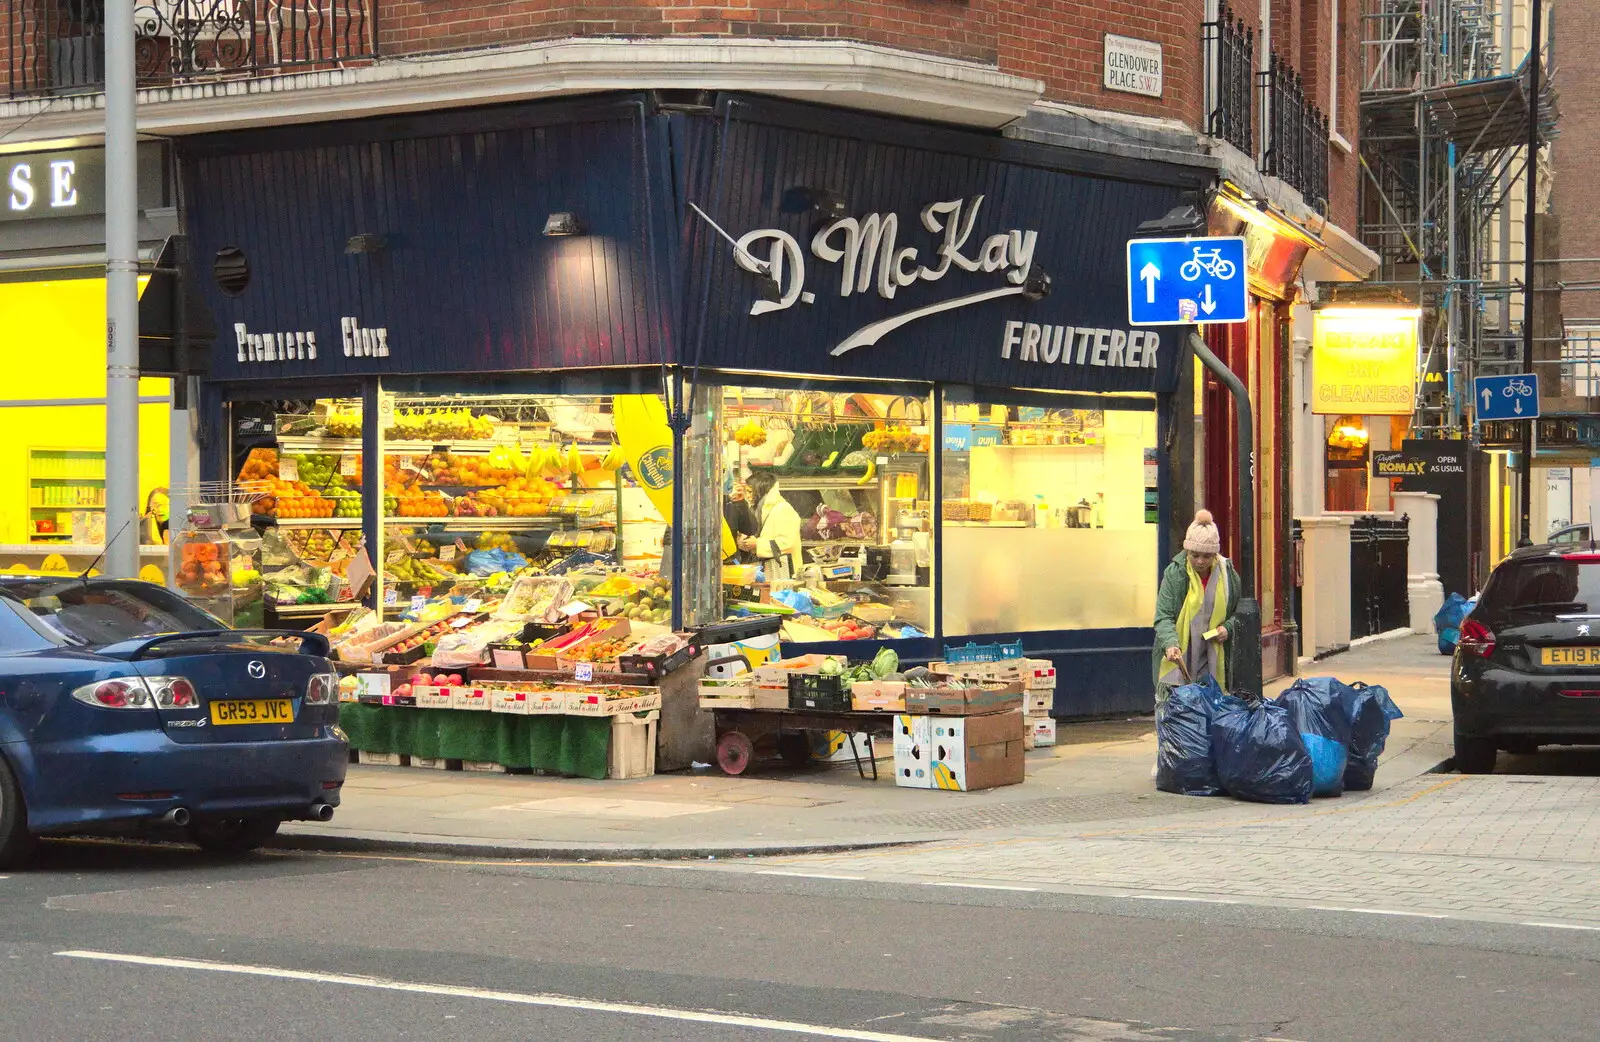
<point>828,497</point>
<point>479,492</point>
<point>1346,454</point>
<point>1050,519</point>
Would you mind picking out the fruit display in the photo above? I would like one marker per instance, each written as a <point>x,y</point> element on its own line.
<point>520,497</point>
<point>313,545</point>
<point>260,465</point>
<point>751,434</point>
<point>415,502</point>
<point>203,567</point>
<point>598,651</point>
<point>421,573</point>
<point>440,424</point>
<point>894,439</point>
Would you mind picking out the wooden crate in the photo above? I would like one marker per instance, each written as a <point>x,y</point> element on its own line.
<point>633,745</point>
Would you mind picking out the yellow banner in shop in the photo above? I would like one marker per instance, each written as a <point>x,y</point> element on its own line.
<point>646,440</point>
<point>1364,361</point>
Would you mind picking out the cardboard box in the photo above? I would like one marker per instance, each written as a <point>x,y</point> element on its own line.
<point>611,701</point>
<point>1039,703</point>
<point>976,752</point>
<point>884,696</point>
<point>912,735</point>
<point>550,658</point>
<point>991,697</point>
<point>429,697</point>
<point>504,700</point>
<point>1043,731</point>
<point>474,698</point>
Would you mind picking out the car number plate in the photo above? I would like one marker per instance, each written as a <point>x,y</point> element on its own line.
<point>1579,656</point>
<point>254,711</point>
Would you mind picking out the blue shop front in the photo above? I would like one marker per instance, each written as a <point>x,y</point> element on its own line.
<point>751,358</point>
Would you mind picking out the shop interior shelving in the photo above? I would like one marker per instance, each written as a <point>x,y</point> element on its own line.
<point>75,477</point>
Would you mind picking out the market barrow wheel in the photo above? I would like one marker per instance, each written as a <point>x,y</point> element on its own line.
<point>17,844</point>
<point>733,752</point>
<point>232,837</point>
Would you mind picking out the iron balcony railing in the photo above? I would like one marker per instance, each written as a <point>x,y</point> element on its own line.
<point>1295,132</point>
<point>58,46</point>
<point>1230,50</point>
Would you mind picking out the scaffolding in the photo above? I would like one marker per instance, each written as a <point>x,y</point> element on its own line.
<point>1443,149</point>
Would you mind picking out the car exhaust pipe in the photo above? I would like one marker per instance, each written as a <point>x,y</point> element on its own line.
<point>178,816</point>
<point>320,812</point>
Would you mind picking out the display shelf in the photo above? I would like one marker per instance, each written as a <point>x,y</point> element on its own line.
<point>838,542</point>
<point>814,483</point>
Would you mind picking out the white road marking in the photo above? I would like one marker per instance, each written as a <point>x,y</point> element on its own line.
<point>1181,897</point>
<point>982,886</point>
<point>1390,911</point>
<point>809,875</point>
<point>514,997</point>
<point>1562,926</point>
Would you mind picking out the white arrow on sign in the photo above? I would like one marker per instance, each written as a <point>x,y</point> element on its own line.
<point>1149,274</point>
<point>1208,305</point>
<point>1517,407</point>
<point>1488,398</point>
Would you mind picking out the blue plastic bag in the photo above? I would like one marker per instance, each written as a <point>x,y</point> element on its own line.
<point>1260,756</point>
<point>1319,712</point>
<point>1183,741</point>
<point>1447,622</point>
<point>1370,711</point>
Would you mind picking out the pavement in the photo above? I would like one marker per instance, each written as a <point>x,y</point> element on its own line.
<point>1100,771</point>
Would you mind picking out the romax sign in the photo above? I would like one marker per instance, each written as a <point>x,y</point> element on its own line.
<point>871,258</point>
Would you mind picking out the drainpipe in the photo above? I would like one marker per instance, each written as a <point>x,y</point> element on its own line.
<point>122,297</point>
<point>1247,620</point>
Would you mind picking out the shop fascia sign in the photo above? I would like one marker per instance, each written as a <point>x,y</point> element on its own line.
<point>871,259</point>
<point>300,345</point>
<point>52,184</point>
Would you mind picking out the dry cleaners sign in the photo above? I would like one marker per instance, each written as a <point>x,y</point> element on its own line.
<point>1133,66</point>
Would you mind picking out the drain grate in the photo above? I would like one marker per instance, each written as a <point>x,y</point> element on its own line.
<point>1060,810</point>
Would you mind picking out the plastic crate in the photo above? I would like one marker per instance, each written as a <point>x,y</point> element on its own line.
<point>984,653</point>
<point>815,691</point>
<point>656,666</point>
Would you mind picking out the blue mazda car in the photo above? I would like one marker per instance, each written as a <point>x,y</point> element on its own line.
<point>126,709</point>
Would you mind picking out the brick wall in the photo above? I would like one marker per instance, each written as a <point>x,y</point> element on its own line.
<point>1576,197</point>
<point>1057,41</point>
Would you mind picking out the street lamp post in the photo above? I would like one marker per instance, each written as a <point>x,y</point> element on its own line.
<point>122,296</point>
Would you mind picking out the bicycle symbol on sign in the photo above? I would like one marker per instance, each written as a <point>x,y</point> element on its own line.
<point>1514,388</point>
<point>1210,262</point>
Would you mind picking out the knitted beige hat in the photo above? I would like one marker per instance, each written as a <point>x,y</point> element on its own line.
<point>1203,537</point>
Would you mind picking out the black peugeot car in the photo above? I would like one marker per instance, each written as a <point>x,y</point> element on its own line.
<point>1527,668</point>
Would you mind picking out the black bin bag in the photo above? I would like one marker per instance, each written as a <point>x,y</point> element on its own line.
<point>1183,736</point>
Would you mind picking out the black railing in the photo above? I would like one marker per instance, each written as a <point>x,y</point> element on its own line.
<point>1230,55</point>
<point>1295,132</point>
<point>58,46</point>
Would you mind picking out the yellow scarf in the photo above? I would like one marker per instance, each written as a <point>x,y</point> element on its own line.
<point>1192,602</point>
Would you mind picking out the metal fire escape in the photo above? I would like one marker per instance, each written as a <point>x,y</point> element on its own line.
<point>1443,147</point>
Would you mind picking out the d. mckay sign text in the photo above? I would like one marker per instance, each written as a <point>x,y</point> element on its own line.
<point>872,259</point>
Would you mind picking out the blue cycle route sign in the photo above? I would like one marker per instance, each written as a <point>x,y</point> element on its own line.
<point>1513,397</point>
<point>1174,282</point>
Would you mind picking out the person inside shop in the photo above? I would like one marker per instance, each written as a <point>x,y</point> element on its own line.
<point>776,544</point>
<point>1195,609</point>
<point>158,515</point>
<point>739,511</point>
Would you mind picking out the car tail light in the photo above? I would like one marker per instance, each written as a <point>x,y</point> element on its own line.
<point>174,692</point>
<point>126,693</point>
<point>322,689</point>
<point>1476,639</point>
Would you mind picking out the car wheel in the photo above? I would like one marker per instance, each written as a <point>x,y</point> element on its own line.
<point>17,844</point>
<point>1475,755</point>
<point>232,837</point>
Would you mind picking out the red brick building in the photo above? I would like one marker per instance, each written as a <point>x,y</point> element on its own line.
<point>1262,98</point>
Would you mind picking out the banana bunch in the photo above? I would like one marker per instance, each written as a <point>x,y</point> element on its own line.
<point>343,423</point>
<point>750,433</point>
<point>615,458</point>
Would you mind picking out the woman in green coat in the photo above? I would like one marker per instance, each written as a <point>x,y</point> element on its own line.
<point>1194,612</point>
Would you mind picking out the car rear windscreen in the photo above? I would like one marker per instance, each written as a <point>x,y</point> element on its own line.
<point>105,612</point>
<point>1557,585</point>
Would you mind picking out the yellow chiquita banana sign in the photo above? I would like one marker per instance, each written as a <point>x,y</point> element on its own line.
<point>646,439</point>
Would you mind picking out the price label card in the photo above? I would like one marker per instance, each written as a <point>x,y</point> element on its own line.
<point>584,671</point>
<point>461,547</point>
<point>406,463</point>
<point>391,596</point>
<point>472,605</point>
<point>418,602</point>
<point>461,622</point>
<point>347,465</point>
<point>394,556</point>
<point>288,468</point>
<point>447,552</point>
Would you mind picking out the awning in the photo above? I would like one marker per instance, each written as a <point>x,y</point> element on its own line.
<point>170,343</point>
